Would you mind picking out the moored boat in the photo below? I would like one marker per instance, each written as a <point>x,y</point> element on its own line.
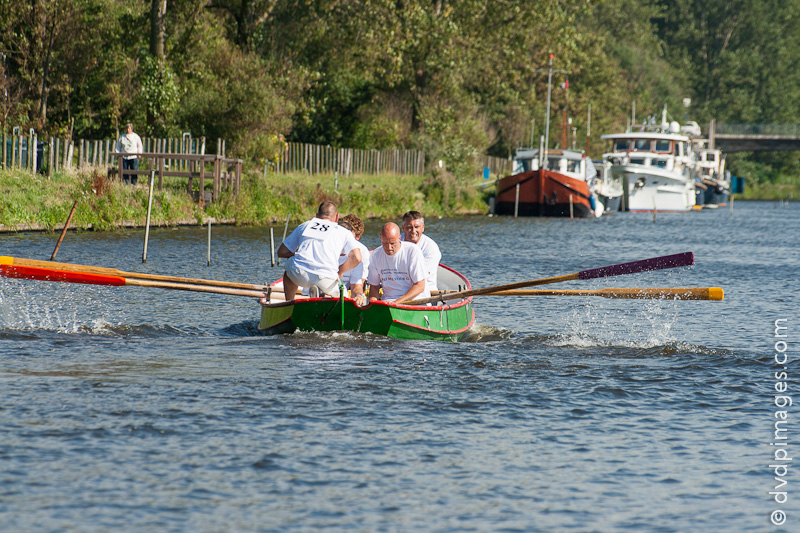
<point>712,174</point>
<point>607,188</point>
<point>553,186</point>
<point>448,321</point>
<point>656,167</point>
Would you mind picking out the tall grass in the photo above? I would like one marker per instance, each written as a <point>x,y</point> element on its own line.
<point>102,204</point>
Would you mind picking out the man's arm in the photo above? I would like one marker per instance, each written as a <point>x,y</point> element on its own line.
<point>357,294</point>
<point>353,259</point>
<point>415,290</point>
<point>284,252</point>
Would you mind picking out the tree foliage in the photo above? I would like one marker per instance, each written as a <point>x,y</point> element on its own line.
<point>457,79</point>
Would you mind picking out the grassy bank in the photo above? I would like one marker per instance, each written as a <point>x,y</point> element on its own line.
<point>31,199</point>
<point>769,191</point>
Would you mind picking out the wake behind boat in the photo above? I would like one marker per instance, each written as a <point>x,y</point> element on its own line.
<point>448,321</point>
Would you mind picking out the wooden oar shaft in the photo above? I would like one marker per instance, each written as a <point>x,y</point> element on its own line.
<point>195,288</point>
<point>644,265</point>
<point>89,278</point>
<point>18,261</point>
<point>668,293</point>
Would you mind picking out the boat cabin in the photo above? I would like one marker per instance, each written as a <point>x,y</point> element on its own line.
<point>568,162</point>
<point>648,148</point>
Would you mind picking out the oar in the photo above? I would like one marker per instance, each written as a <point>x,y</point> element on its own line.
<point>51,274</point>
<point>644,265</point>
<point>668,293</point>
<point>18,261</point>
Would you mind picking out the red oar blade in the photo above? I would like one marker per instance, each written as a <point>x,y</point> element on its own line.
<point>51,274</point>
<point>644,265</point>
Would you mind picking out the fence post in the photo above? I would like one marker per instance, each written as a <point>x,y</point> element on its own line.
<point>33,145</point>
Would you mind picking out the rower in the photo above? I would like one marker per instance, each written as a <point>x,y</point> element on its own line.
<point>398,267</point>
<point>413,228</point>
<point>313,251</point>
<point>354,279</point>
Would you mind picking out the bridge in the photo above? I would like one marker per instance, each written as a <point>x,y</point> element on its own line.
<point>754,137</point>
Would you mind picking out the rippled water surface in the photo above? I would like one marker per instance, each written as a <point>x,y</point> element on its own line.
<point>133,409</point>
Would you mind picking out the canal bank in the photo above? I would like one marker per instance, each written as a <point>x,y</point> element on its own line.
<point>32,202</point>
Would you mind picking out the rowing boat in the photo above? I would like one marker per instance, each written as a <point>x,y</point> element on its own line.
<point>447,321</point>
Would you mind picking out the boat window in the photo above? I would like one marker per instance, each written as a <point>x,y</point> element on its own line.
<point>642,145</point>
<point>574,166</point>
<point>661,163</point>
<point>711,157</point>
<point>553,164</point>
<point>622,145</point>
<point>526,165</point>
<point>637,160</point>
<point>664,146</point>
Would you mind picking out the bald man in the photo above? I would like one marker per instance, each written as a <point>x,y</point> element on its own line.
<point>398,267</point>
<point>313,250</point>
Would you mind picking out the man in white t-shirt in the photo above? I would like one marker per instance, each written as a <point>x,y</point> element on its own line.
<point>130,143</point>
<point>313,251</point>
<point>413,228</point>
<point>398,267</point>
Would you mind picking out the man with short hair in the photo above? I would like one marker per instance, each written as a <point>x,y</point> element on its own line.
<point>413,228</point>
<point>130,143</point>
<point>354,279</point>
<point>398,267</point>
<point>313,251</point>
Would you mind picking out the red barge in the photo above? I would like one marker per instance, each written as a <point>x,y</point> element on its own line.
<point>559,186</point>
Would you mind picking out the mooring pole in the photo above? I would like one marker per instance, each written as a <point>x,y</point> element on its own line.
<point>149,209</point>
<point>272,246</point>
<point>64,231</point>
<point>208,257</point>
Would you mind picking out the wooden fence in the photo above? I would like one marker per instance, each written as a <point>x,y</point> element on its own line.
<point>316,159</point>
<point>60,153</point>
<point>225,173</point>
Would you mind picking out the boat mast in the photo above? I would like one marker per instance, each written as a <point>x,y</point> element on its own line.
<point>549,92</point>
<point>547,113</point>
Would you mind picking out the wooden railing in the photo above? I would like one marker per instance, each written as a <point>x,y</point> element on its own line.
<point>316,159</point>
<point>226,173</point>
<point>61,153</point>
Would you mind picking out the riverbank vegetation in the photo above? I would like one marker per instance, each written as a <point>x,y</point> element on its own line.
<point>454,79</point>
<point>34,201</point>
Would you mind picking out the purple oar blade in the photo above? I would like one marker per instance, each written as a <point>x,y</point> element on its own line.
<point>656,263</point>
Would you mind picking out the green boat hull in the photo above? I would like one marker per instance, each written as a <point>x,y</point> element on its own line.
<point>448,322</point>
<point>445,322</point>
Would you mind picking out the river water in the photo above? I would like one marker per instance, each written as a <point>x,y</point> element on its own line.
<point>133,409</point>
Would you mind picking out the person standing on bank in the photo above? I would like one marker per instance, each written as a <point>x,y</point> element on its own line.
<point>130,143</point>
<point>413,228</point>
<point>313,251</point>
<point>398,267</point>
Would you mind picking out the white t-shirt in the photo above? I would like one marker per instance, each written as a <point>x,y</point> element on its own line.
<point>398,272</point>
<point>359,272</point>
<point>432,255</point>
<point>317,245</point>
<point>130,143</point>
